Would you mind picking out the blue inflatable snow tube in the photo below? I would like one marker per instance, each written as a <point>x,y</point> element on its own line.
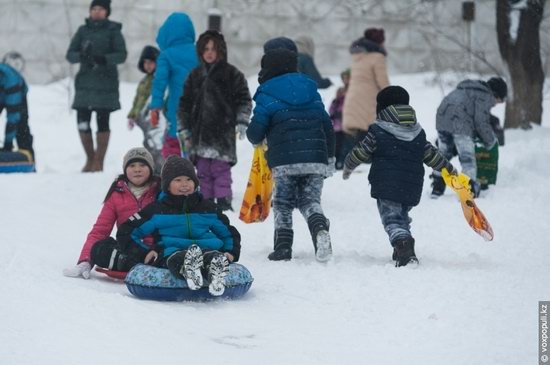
<point>18,161</point>
<point>149,282</point>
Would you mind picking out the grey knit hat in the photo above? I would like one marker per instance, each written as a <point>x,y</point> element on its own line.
<point>176,166</point>
<point>138,154</point>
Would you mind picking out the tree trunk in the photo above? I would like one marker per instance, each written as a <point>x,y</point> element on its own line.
<point>521,55</point>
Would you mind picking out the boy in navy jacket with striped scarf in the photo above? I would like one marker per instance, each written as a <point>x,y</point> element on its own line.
<point>396,146</point>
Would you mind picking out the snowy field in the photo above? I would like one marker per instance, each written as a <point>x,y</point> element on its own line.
<point>469,302</point>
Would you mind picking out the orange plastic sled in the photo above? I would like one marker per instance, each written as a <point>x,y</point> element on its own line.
<point>475,218</point>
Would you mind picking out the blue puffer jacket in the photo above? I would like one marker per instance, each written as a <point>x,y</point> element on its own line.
<point>290,113</point>
<point>176,40</point>
<point>177,222</point>
<point>13,91</point>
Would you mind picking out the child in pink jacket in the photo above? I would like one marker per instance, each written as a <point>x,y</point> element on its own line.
<point>132,191</point>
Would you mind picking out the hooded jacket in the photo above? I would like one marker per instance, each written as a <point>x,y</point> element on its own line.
<point>176,40</point>
<point>289,112</point>
<point>178,222</point>
<point>215,99</point>
<point>467,111</point>
<point>396,146</point>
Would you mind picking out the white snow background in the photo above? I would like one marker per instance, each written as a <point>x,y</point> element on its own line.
<point>469,301</point>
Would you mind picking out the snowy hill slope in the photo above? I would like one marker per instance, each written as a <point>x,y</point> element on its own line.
<point>469,302</point>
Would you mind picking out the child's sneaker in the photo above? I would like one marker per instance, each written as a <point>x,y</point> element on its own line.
<point>217,271</point>
<point>324,248</point>
<point>192,267</point>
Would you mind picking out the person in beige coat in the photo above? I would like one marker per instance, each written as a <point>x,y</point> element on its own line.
<point>368,77</point>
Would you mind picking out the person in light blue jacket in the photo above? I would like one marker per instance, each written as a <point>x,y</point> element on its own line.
<point>176,40</point>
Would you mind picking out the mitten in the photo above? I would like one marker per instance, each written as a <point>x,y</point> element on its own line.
<point>241,130</point>
<point>346,173</point>
<point>131,123</point>
<point>82,269</point>
<point>86,53</point>
<point>100,60</point>
<point>155,117</point>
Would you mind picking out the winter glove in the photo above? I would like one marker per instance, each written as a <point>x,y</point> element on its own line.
<point>185,139</point>
<point>451,169</point>
<point>100,60</point>
<point>82,269</point>
<point>86,53</point>
<point>155,117</point>
<point>240,129</point>
<point>131,123</point>
<point>346,173</point>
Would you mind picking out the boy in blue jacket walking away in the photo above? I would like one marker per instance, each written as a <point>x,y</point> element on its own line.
<point>396,146</point>
<point>290,114</point>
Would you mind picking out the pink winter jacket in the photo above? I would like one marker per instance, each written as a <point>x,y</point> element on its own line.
<point>117,209</point>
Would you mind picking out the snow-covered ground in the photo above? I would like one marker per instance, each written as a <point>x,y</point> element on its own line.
<point>469,302</point>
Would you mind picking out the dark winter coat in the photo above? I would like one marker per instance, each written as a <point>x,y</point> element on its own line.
<point>397,147</point>
<point>307,66</point>
<point>96,83</point>
<point>176,40</point>
<point>13,96</point>
<point>177,222</point>
<point>467,111</point>
<point>290,113</point>
<point>215,99</point>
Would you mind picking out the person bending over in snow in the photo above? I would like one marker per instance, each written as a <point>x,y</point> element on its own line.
<point>289,112</point>
<point>193,236</point>
<point>396,146</point>
<point>462,116</point>
<point>136,188</point>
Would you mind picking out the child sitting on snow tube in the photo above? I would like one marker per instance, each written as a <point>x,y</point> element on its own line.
<point>193,237</point>
<point>136,188</point>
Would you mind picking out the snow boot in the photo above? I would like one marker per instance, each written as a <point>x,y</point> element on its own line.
<point>404,251</point>
<point>282,248</point>
<point>225,203</point>
<point>192,266</point>
<point>174,263</point>
<point>217,271</point>
<point>438,185</point>
<point>105,254</point>
<point>102,144</point>
<point>318,227</point>
<point>88,144</point>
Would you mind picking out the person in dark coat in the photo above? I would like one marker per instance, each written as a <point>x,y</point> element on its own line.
<point>215,105</point>
<point>462,116</point>
<point>290,114</point>
<point>306,63</point>
<point>396,146</point>
<point>99,47</point>
<point>13,97</point>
